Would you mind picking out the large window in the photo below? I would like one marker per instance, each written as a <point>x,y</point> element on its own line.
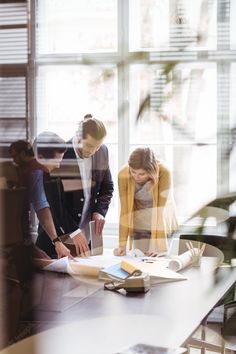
<point>173,59</point>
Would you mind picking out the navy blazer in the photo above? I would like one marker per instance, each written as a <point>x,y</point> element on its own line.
<point>102,185</point>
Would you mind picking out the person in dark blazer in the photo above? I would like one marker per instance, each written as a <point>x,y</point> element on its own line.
<point>87,180</point>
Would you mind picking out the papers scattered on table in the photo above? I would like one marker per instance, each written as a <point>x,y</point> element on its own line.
<point>156,270</point>
<point>90,266</point>
<point>159,269</point>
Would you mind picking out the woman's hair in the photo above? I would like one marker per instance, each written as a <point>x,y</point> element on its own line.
<point>144,158</point>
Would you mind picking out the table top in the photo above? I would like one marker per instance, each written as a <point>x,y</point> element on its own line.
<point>91,320</point>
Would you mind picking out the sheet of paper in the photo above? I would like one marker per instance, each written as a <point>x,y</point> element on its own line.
<point>181,261</point>
<point>101,261</point>
<point>59,265</point>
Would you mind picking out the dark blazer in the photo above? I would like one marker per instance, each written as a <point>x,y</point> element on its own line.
<point>101,188</point>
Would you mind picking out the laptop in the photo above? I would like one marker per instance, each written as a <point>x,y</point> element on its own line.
<point>96,240</point>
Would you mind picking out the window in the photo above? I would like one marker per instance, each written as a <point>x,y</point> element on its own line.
<point>13,74</point>
<point>105,57</point>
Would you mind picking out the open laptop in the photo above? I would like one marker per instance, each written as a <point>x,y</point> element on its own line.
<point>96,240</point>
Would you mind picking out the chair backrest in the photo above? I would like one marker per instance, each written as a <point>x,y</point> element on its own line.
<point>225,245</point>
<point>9,171</point>
<point>13,211</point>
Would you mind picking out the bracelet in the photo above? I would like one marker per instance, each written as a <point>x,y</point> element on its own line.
<point>56,239</point>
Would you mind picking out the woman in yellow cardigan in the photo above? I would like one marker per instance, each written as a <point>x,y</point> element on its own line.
<point>147,213</point>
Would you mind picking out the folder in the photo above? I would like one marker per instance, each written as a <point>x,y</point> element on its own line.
<point>115,271</point>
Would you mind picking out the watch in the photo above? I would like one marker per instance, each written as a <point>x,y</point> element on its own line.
<point>56,239</point>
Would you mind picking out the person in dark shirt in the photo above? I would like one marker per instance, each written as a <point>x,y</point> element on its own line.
<point>31,175</point>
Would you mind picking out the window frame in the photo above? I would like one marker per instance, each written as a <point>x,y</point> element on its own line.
<point>123,54</point>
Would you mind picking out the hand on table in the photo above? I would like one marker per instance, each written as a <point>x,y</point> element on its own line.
<point>81,245</point>
<point>120,251</point>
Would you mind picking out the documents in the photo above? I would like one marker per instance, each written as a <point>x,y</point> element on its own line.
<point>156,270</point>
<point>118,267</point>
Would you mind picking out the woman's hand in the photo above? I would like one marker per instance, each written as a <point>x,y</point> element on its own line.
<point>120,251</point>
<point>151,253</point>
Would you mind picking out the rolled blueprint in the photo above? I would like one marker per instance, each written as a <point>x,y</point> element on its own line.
<point>181,261</point>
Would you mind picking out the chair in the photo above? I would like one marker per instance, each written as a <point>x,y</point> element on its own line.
<point>225,244</point>
<point>209,251</point>
<point>223,248</point>
<point>14,222</point>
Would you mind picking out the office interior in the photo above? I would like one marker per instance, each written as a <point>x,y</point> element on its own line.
<point>158,73</point>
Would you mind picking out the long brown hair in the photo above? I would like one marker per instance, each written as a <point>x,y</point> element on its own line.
<point>144,158</point>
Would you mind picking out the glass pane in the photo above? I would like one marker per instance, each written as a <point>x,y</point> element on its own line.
<point>76,26</point>
<point>159,24</point>
<point>232,24</point>
<point>12,130</point>
<point>66,93</point>
<point>177,110</point>
<point>193,173</point>
<point>112,214</point>
<point>233,127</point>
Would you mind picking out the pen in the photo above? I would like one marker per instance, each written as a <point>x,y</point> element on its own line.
<point>202,249</point>
<point>194,253</point>
<point>190,248</point>
<point>198,248</point>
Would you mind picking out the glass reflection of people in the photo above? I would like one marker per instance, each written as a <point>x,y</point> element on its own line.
<point>31,174</point>
<point>94,186</point>
<point>147,213</point>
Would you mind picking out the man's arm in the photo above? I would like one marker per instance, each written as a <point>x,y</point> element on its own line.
<point>46,221</point>
<point>105,192</point>
<point>42,209</point>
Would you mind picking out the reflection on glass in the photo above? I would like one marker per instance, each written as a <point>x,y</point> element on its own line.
<point>193,173</point>
<point>76,26</point>
<point>187,101</point>
<point>67,93</point>
<point>232,24</point>
<point>112,214</point>
<point>233,127</point>
<point>160,24</point>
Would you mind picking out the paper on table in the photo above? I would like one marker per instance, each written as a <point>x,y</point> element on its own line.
<point>155,270</point>
<point>59,265</point>
<point>181,261</point>
<point>100,261</point>
<point>82,266</point>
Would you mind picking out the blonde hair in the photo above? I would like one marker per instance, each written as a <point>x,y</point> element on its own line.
<point>144,158</point>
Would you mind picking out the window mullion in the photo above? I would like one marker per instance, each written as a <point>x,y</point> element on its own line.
<point>123,82</point>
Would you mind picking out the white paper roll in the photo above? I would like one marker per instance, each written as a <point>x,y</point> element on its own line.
<point>181,261</point>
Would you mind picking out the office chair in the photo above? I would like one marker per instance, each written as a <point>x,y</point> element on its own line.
<point>227,247</point>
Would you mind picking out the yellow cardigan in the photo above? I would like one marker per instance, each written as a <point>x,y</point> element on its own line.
<point>164,220</point>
